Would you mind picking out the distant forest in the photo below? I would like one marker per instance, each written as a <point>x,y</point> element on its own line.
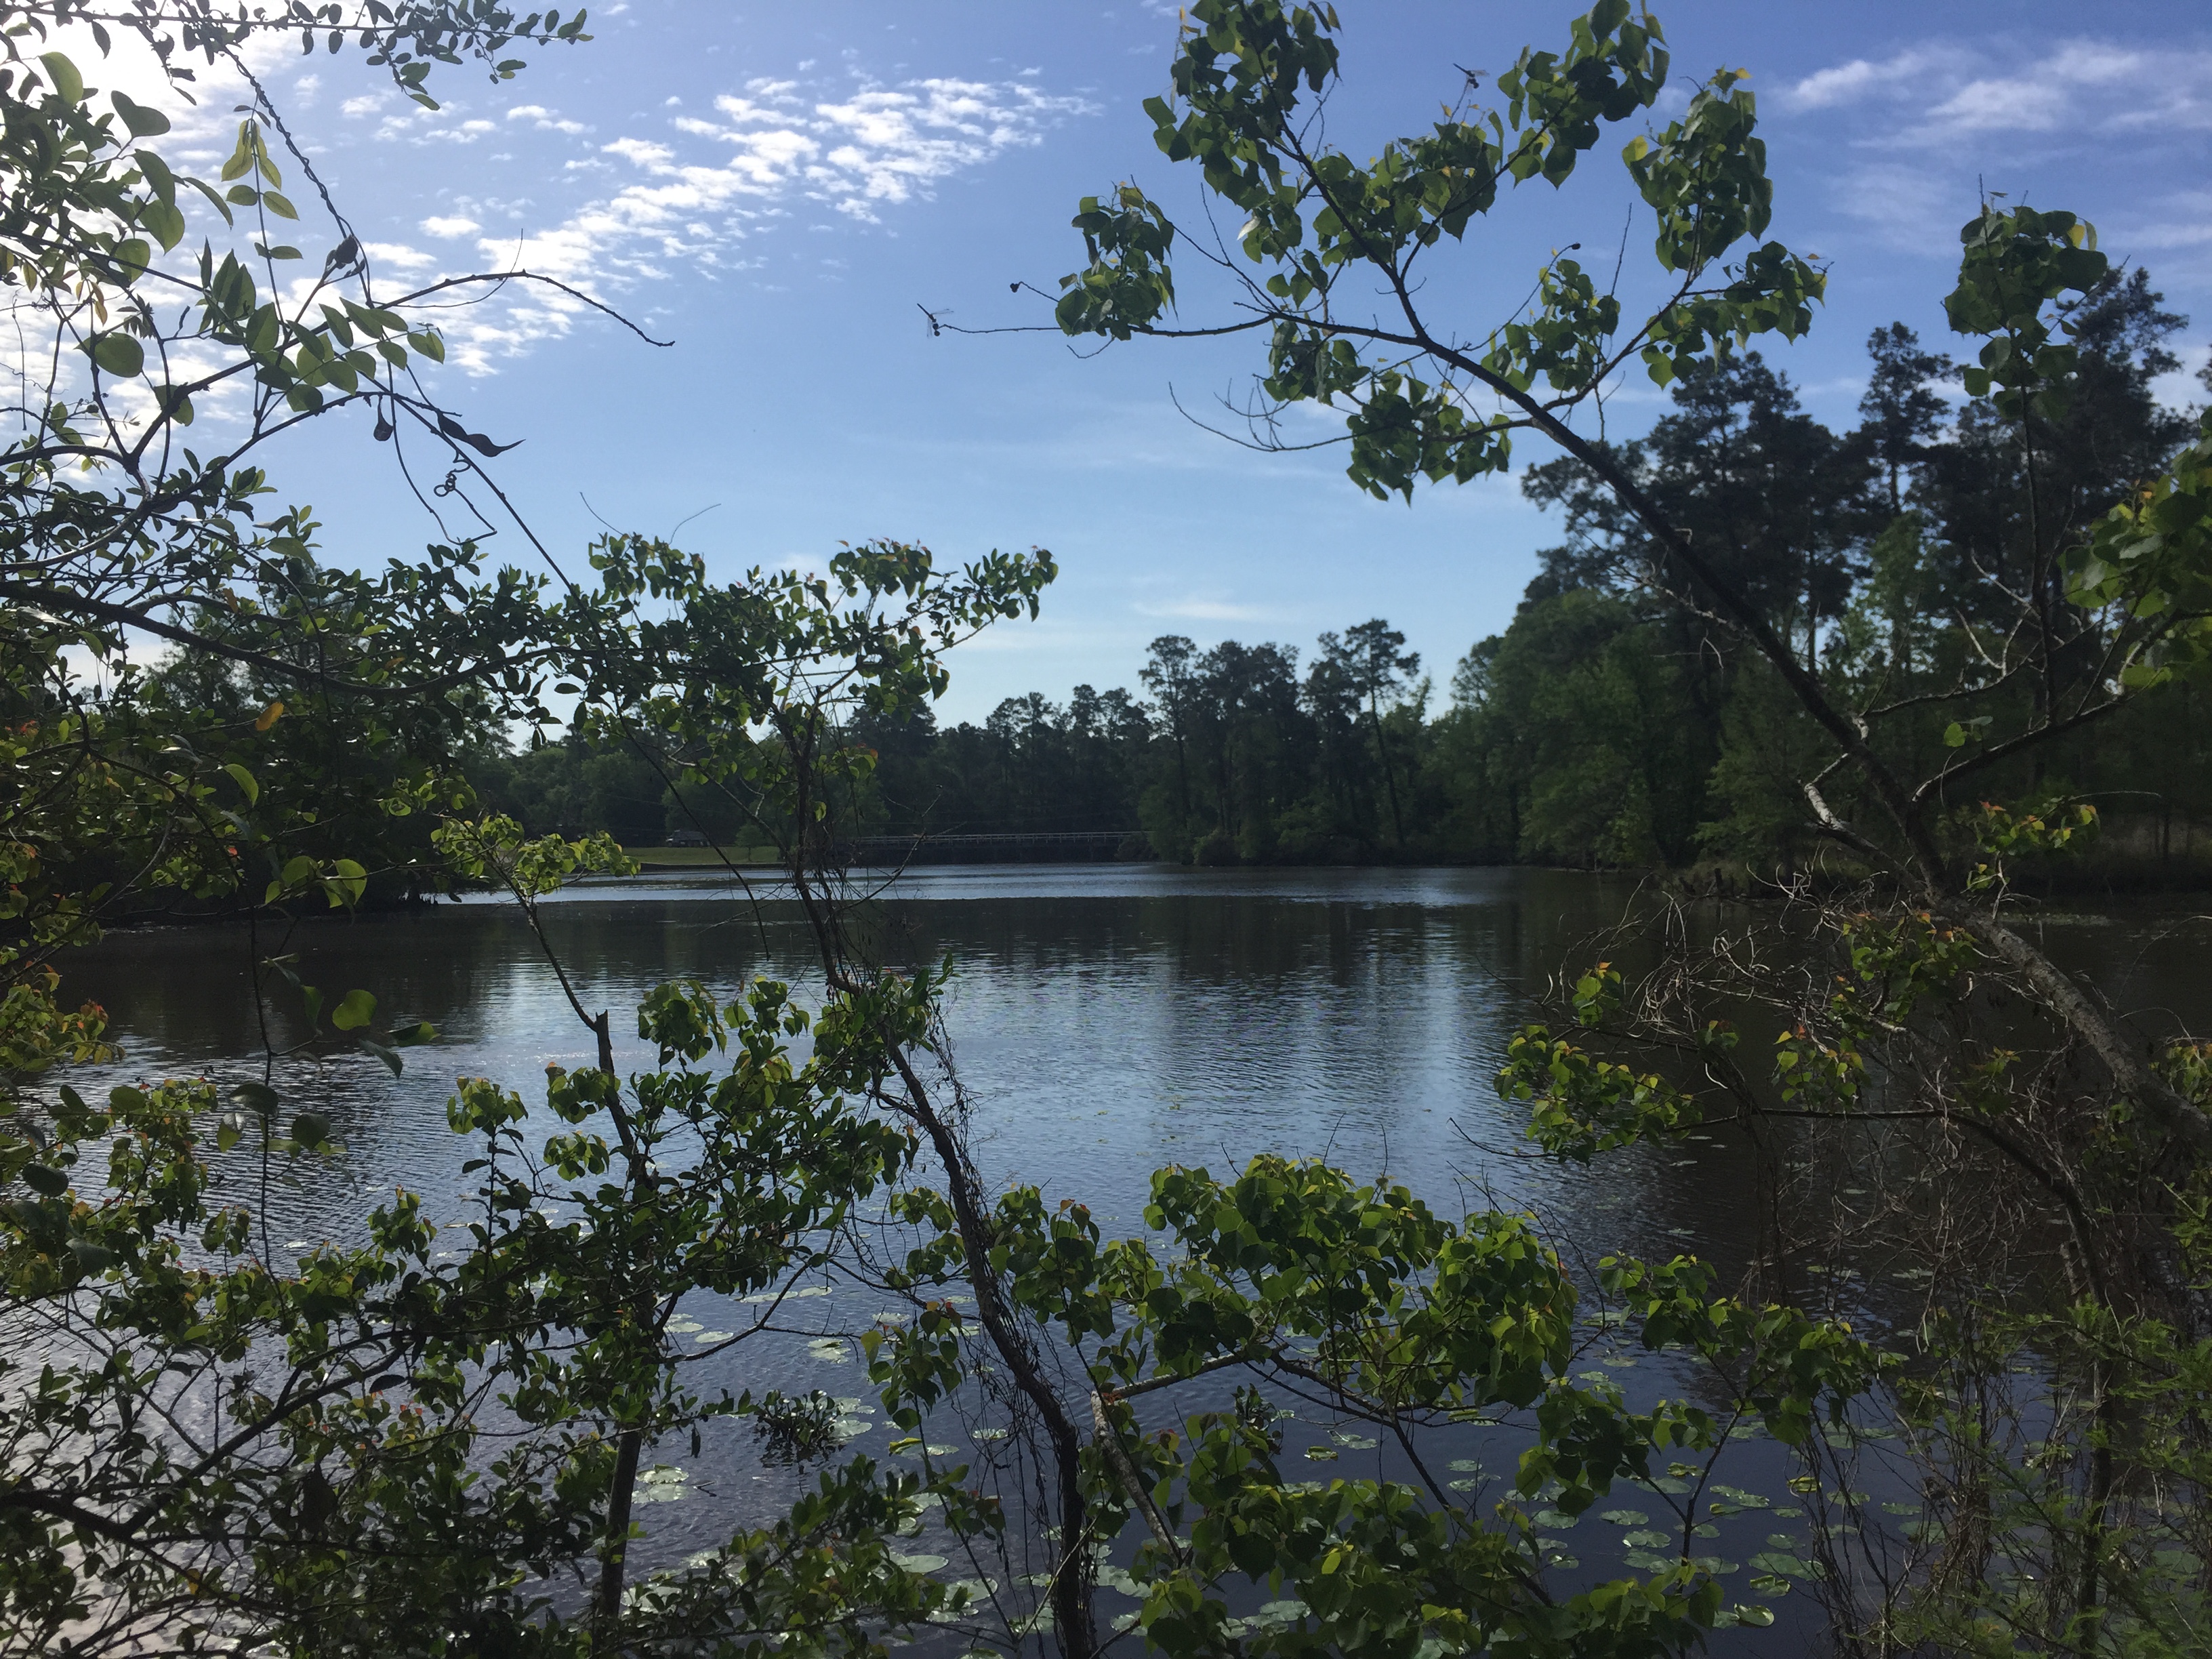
<point>1610,724</point>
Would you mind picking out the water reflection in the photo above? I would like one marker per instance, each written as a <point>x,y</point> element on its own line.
<point>1106,1020</point>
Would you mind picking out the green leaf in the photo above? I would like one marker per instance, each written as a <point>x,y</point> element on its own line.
<point>349,882</point>
<point>241,154</point>
<point>142,122</point>
<point>1954,736</point>
<point>165,221</point>
<point>63,76</point>
<point>119,354</point>
<point>244,779</point>
<point>259,1096</point>
<point>90,1257</point>
<point>358,1008</point>
<point>385,1052</point>
<point>311,1130</point>
<point>45,1178</point>
<point>279,206</point>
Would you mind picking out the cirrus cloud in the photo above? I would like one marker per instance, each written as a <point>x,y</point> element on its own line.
<point>1940,89</point>
<point>696,195</point>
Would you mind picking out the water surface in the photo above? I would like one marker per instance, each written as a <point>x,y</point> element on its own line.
<point>1105,1020</point>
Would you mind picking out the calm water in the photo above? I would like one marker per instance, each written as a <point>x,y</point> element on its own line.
<point>1106,1019</point>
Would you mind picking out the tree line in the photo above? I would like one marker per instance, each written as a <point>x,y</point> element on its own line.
<point>1610,724</point>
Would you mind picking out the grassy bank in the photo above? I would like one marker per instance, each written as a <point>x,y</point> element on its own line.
<point>702,858</point>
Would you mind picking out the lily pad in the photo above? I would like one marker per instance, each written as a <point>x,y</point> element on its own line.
<point>1750,1500</point>
<point>1645,1539</point>
<point>1728,1618</point>
<point>920,1561</point>
<point>1554,1520</point>
<point>1645,1561</point>
<point>963,1595</point>
<point>1625,1517</point>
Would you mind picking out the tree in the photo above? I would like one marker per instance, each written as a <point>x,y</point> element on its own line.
<point>114,531</point>
<point>369,1447</point>
<point>1168,675</point>
<point>1316,218</point>
<point>2086,621</point>
<point>1375,668</point>
<point>1900,411</point>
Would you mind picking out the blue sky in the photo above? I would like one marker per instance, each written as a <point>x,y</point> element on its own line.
<point>779,190</point>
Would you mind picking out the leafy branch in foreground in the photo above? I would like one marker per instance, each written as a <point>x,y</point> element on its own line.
<point>2087,1123</point>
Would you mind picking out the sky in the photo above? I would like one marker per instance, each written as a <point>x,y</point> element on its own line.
<point>782,191</point>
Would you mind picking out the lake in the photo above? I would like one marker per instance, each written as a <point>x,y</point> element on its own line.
<point>1106,1019</point>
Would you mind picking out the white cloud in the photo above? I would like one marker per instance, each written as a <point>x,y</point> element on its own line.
<point>1196,609</point>
<point>772,149</point>
<point>398,255</point>
<point>544,120</point>
<point>441,226</point>
<point>1943,90</point>
<point>1908,207</point>
<point>1861,80</point>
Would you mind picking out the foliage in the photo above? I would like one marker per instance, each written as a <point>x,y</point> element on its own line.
<point>373,1397</point>
<point>1359,1299</point>
<point>1887,668</point>
<point>377,1444</point>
